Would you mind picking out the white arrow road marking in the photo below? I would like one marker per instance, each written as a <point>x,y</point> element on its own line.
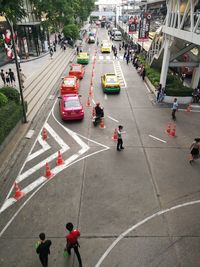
<point>45,147</point>
<point>38,166</point>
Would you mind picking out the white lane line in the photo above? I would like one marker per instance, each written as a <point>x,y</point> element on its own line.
<point>105,97</point>
<point>100,57</point>
<point>156,138</point>
<point>93,101</point>
<point>121,236</point>
<point>8,202</point>
<point>30,152</point>
<point>29,198</point>
<point>108,58</point>
<point>42,163</point>
<point>112,118</point>
<point>45,147</point>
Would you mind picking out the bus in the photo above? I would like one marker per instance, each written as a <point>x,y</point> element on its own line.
<point>117,36</point>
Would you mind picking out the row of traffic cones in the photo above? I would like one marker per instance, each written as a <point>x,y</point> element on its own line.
<point>48,174</point>
<point>171,130</point>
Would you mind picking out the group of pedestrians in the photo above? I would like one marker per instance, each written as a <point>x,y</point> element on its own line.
<point>43,245</point>
<point>8,77</point>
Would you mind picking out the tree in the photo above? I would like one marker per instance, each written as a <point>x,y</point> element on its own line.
<point>71,31</point>
<point>12,9</point>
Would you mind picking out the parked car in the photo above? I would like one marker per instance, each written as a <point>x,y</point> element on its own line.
<point>71,107</point>
<point>70,84</point>
<point>77,70</point>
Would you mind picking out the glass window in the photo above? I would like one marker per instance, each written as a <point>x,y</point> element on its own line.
<point>72,104</point>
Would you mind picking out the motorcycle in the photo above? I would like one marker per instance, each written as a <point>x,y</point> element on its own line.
<point>97,118</point>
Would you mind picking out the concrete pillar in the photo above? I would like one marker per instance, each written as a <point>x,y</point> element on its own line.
<point>195,77</point>
<point>165,62</point>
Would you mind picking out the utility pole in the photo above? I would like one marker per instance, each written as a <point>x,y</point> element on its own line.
<point>17,68</point>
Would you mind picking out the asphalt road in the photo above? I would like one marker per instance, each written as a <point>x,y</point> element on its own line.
<point>148,191</point>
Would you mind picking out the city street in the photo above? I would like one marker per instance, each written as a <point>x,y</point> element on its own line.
<point>134,207</point>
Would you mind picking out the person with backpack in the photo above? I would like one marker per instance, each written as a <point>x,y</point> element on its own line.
<point>3,77</point>
<point>12,77</point>
<point>72,241</point>
<point>43,249</point>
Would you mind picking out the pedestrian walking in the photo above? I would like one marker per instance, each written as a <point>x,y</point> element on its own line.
<point>158,92</point>
<point>97,42</point>
<point>125,54</point>
<point>120,47</point>
<point>64,47</point>
<point>115,53</point>
<point>143,74</point>
<point>22,78</point>
<point>43,249</point>
<point>54,47</point>
<point>174,108</point>
<point>119,138</point>
<point>51,52</point>
<point>12,77</point>
<point>7,76</point>
<point>72,241</point>
<point>127,58</point>
<point>3,77</point>
<point>194,150</point>
<point>122,44</point>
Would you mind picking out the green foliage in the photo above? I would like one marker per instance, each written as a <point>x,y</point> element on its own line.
<point>11,93</point>
<point>3,100</point>
<point>71,31</point>
<point>63,12</point>
<point>12,9</point>
<point>10,115</point>
<point>174,86</point>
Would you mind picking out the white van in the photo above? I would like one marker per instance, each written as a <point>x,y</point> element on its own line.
<point>117,36</point>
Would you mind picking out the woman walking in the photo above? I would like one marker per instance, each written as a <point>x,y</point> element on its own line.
<point>194,150</point>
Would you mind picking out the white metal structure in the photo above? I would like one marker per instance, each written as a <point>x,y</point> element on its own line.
<point>182,22</point>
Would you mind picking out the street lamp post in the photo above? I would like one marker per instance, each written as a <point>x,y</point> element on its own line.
<point>18,71</point>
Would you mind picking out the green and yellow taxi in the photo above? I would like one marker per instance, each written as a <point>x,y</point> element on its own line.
<point>83,58</point>
<point>110,83</point>
<point>106,46</point>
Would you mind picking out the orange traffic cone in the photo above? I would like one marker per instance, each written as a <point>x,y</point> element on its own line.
<point>90,91</point>
<point>88,102</point>
<point>59,160</point>
<point>173,132</point>
<point>114,138</point>
<point>189,108</point>
<point>102,125</point>
<point>168,130</point>
<point>44,134</point>
<point>48,173</point>
<point>18,194</point>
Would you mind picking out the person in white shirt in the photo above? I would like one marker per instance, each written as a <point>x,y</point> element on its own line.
<point>174,109</point>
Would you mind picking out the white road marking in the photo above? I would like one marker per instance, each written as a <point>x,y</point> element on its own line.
<point>112,118</point>
<point>64,148</point>
<point>48,180</point>
<point>108,58</point>
<point>156,138</point>
<point>105,97</point>
<point>93,101</point>
<point>45,147</point>
<point>121,236</point>
<point>11,189</point>
<point>100,57</point>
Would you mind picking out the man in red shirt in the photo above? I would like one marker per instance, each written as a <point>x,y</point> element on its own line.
<point>72,241</point>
